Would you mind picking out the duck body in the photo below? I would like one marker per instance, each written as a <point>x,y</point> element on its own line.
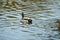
<point>26,19</point>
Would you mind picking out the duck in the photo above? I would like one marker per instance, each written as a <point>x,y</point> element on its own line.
<point>26,19</point>
<point>58,24</point>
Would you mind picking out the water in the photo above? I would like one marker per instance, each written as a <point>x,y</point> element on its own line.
<point>43,14</point>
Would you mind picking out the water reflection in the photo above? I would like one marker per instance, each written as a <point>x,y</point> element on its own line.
<point>11,17</point>
<point>43,27</point>
<point>1,14</point>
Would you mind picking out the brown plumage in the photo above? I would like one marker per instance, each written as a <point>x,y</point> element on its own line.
<point>58,23</point>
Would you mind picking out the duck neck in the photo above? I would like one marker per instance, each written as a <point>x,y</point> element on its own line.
<point>22,15</point>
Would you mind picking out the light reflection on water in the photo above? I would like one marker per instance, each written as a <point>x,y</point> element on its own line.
<point>42,28</point>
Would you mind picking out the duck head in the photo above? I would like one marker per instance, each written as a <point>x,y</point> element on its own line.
<point>22,15</point>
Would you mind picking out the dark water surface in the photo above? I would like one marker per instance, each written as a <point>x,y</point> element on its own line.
<point>43,14</point>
